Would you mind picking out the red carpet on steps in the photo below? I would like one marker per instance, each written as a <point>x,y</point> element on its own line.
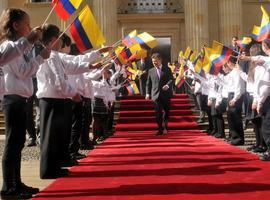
<point>137,114</point>
<point>184,164</point>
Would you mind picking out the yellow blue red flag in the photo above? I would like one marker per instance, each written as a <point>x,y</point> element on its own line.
<point>244,43</point>
<point>259,33</point>
<point>132,88</point>
<point>85,31</point>
<point>220,54</point>
<point>65,8</point>
<point>127,40</point>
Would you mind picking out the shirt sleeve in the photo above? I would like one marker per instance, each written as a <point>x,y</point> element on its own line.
<point>27,69</point>
<point>61,82</point>
<point>11,50</point>
<point>88,57</point>
<point>93,75</point>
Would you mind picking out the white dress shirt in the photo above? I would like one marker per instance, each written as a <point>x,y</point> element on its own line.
<point>94,75</point>
<point>223,89</point>
<point>18,75</point>
<point>52,75</point>
<point>101,89</point>
<point>262,85</point>
<point>249,84</point>
<point>235,84</point>
<point>10,50</point>
<point>258,88</point>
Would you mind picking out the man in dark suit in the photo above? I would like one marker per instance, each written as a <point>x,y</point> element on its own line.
<point>159,85</point>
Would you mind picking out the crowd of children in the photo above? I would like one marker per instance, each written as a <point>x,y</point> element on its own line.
<point>71,89</point>
<point>241,90</point>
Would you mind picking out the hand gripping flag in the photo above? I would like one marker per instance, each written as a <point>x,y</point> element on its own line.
<point>65,8</point>
<point>85,31</point>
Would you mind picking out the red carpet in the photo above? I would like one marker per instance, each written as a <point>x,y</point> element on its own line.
<point>184,164</point>
<point>133,108</point>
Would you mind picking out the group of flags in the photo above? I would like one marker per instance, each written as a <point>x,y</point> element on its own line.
<point>87,35</point>
<point>130,50</point>
<point>208,60</point>
<point>211,60</point>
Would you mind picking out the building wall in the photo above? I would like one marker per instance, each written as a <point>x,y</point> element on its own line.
<point>213,20</point>
<point>251,15</point>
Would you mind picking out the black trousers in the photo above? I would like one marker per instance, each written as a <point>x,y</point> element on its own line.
<point>218,121</point>
<point>257,127</point>
<point>162,104</point>
<point>199,100</point>
<point>266,121</point>
<point>30,124</point>
<point>86,121</point>
<point>14,108</point>
<point>52,131</point>
<point>207,109</point>
<point>110,118</point>
<point>76,130</point>
<point>142,83</point>
<point>235,122</point>
<point>66,137</point>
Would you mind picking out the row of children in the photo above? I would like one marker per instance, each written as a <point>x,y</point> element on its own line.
<point>226,92</point>
<point>65,83</point>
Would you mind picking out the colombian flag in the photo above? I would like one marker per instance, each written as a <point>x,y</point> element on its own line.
<point>118,57</point>
<point>126,53</point>
<point>194,56</point>
<point>137,50</point>
<point>128,39</point>
<point>85,31</point>
<point>198,64</point>
<point>207,64</point>
<point>180,78</point>
<point>132,53</point>
<point>132,88</point>
<point>259,33</point>
<point>243,44</point>
<point>146,40</point>
<point>65,8</point>
<point>220,54</point>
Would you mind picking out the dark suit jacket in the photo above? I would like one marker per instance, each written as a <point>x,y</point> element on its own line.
<point>154,84</point>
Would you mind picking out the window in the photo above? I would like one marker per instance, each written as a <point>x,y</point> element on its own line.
<point>150,6</point>
<point>39,1</point>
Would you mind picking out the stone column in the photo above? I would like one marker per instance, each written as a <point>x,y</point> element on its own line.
<point>230,19</point>
<point>196,23</point>
<point>105,13</point>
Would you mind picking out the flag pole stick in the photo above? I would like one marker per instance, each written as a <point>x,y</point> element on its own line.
<point>117,43</point>
<point>61,35</point>
<point>50,13</point>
